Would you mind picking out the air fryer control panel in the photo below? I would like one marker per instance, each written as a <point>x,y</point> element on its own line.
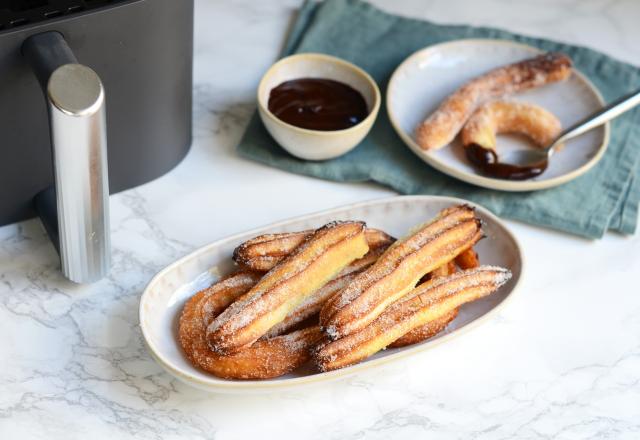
<point>16,13</point>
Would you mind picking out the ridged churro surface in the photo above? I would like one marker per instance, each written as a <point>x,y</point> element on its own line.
<point>442,126</point>
<point>263,360</point>
<point>399,269</point>
<point>263,252</point>
<point>316,261</point>
<point>530,120</point>
<point>428,302</point>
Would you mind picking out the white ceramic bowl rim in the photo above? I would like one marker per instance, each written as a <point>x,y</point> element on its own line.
<point>373,111</point>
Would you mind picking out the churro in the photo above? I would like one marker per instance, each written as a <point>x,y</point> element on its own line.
<point>316,261</point>
<point>399,269</point>
<point>441,127</point>
<point>428,302</point>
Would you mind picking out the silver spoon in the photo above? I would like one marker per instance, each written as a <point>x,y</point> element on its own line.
<point>533,156</point>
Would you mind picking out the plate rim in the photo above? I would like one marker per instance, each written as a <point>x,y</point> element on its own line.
<point>477,179</point>
<point>219,385</point>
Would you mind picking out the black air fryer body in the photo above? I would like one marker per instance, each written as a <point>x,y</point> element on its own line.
<point>142,51</point>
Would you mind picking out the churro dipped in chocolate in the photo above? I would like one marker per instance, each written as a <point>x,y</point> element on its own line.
<point>495,117</point>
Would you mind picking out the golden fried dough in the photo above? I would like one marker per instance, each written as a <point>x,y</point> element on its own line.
<point>263,360</point>
<point>399,269</point>
<point>442,126</point>
<point>265,251</point>
<point>496,117</point>
<point>428,302</point>
<point>319,259</point>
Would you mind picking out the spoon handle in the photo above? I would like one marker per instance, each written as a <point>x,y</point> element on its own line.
<point>607,113</point>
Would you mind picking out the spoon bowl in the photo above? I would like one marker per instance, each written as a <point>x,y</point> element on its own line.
<point>525,158</point>
<point>540,157</point>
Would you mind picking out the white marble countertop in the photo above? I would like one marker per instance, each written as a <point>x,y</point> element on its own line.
<point>561,361</point>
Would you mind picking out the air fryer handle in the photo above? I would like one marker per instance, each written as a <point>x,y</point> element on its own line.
<point>76,215</point>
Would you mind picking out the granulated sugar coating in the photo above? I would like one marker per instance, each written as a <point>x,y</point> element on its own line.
<point>399,269</point>
<point>245,326</point>
<point>321,256</point>
<point>431,302</point>
<point>440,128</point>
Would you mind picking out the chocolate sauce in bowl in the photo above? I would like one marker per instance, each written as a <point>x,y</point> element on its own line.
<point>317,104</point>
<point>487,162</point>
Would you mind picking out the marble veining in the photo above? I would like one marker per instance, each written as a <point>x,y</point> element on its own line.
<point>561,361</point>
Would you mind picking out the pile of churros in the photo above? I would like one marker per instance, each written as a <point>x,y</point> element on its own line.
<point>335,296</point>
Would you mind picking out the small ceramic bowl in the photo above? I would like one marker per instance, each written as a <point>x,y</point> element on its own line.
<point>316,144</point>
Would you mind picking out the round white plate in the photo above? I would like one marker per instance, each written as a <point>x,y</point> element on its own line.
<point>164,297</point>
<point>424,79</point>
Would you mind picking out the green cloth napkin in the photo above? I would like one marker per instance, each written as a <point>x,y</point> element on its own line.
<point>606,198</point>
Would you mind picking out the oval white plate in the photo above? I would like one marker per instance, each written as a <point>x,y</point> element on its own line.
<point>166,293</point>
<point>425,78</point>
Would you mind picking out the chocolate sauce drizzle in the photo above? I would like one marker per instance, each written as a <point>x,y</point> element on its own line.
<point>487,162</point>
